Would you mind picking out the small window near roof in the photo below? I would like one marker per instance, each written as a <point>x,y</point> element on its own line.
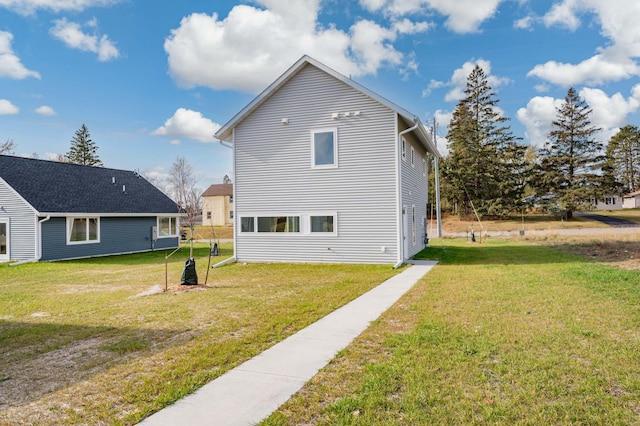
<point>404,148</point>
<point>324,148</point>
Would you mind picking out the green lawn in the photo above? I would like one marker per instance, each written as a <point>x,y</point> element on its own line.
<point>80,344</point>
<point>499,333</point>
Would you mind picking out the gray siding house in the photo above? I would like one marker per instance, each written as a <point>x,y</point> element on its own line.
<point>54,211</point>
<point>327,171</point>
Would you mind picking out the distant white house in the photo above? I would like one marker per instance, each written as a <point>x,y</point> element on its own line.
<point>611,202</point>
<point>328,171</point>
<point>632,200</point>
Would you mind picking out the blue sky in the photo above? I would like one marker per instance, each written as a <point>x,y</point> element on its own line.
<point>153,80</point>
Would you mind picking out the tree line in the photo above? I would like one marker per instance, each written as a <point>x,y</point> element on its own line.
<point>489,171</point>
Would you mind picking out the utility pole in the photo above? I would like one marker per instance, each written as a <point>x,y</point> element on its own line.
<point>437,172</point>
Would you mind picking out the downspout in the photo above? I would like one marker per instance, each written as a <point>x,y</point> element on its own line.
<point>231,146</point>
<point>38,244</point>
<point>401,220</point>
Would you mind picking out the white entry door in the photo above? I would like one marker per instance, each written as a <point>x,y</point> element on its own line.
<point>4,240</point>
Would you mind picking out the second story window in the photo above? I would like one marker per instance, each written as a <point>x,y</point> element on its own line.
<point>324,148</point>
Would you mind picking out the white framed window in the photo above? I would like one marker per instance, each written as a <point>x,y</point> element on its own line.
<point>323,223</point>
<point>413,157</point>
<point>167,227</point>
<point>83,230</point>
<point>324,148</point>
<point>247,224</point>
<point>208,215</point>
<point>230,214</point>
<point>413,224</point>
<point>314,223</point>
<point>403,148</point>
<point>424,166</point>
<point>278,224</point>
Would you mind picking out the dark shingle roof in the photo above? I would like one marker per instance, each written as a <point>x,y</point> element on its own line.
<point>219,189</point>
<point>53,187</point>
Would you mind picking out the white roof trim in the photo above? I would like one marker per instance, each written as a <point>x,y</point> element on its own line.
<point>225,133</point>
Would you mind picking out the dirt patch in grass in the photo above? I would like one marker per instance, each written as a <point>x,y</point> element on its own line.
<point>623,252</point>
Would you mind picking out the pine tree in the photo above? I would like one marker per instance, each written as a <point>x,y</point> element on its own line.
<point>83,149</point>
<point>622,164</point>
<point>570,159</point>
<point>486,164</point>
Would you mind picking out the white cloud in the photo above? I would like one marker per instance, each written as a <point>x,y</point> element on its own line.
<point>616,61</point>
<point>190,124</point>
<point>27,7</point>
<point>458,82</point>
<point>372,5</point>
<point>524,23</point>
<point>45,110</point>
<point>7,108</point>
<point>537,117</point>
<point>249,48</point>
<point>462,16</point>
<point>405,26</point>
<point>563,14</point>
<point>603,67</point>
<point>370,43</point>
<point>443,118</point>
<point>10,65</point>
<point>71,34</point>
<point>433,84</point>
<point>609,113</point>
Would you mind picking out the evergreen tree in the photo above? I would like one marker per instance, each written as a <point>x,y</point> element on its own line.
<point>83,150</point>
<point>622,164</point>
<point>570,159</point>
<point>486,164</point>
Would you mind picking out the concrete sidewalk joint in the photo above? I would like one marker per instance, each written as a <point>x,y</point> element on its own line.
<point>252,391</point>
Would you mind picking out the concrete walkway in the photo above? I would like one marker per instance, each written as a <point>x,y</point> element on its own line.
<point>252,391</point>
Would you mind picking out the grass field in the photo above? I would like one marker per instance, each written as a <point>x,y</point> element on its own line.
<point>505,332</point>
<point>502,332</point>
<point>98,341</point>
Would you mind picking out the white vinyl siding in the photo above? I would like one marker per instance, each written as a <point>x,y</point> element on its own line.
<point>414,194</point>
<point>22,224</point>
<point>272,174</point>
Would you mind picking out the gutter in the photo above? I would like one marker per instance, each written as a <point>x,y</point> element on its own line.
<point>38,243</point>
<point>400,220</point>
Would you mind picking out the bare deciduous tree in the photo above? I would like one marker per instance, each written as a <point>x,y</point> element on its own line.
<point>8,147</point>
<point>182,184</point>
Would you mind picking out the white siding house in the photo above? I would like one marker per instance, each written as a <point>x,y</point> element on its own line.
<point>327,171</point>
<point>632,200</point>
